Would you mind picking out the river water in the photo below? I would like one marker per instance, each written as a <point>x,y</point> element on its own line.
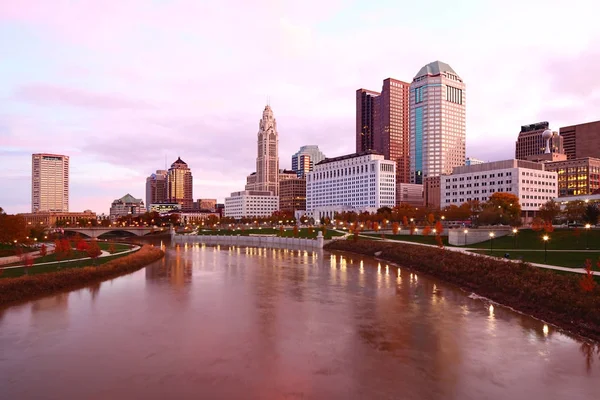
<point>247,323</point>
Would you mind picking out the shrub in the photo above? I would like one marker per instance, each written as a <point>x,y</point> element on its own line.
<point>43,250</point>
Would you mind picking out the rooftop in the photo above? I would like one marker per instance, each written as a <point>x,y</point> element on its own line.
<point>435,68</point>
<point>349,156</point>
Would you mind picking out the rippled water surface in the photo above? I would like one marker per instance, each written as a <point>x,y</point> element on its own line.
<point>237,323</point>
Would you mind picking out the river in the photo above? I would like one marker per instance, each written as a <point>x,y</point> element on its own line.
<point>246,323</point>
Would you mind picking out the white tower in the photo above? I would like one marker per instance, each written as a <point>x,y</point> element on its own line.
<point>267,160</point>
<point>547,134</point>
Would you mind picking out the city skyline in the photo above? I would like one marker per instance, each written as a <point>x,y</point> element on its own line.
<point>117,106</point>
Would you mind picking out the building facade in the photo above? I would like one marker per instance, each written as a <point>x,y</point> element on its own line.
<point>525,179</point>
<point>251,203</point>
<point>367,126</point>
<point>267,160</point>
<point>409,193</point>
<point>53,219</point>
<point>125,206</point>
<point>437,122</point>
<point>473,161</point>
<point>207,204</point>
<point>576,177</point>
<point>156,188</point>
<point>431,189</point>
<point>49,183</point>
<point>305,159</point>
<point>292,195</point>
<point>164,207</point>
<point>180,185</point>
<point>582,140</point>
<point>531,144</point>
<point>357,182</point>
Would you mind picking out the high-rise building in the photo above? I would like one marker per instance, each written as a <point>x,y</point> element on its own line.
<point>531,143</point>
<point>305,159</point>
<point>382,124</point>
<point>156,188</point>
<point>582,140</point>
<point>292,195</point>
<point>437,122</point>
<point>267,160</point>
<point>180,185</point>
<point>49,183</point>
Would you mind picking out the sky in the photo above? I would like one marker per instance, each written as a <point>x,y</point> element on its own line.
<point>123,85</point>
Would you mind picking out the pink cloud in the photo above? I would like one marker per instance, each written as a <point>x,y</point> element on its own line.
<point>45,94</point>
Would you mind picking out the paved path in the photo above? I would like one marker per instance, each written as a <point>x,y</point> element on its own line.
<point>34,254</point>
<point>468,250</point>
<point>104,254</point>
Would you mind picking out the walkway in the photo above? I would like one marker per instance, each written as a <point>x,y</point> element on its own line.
<point>104,254</point>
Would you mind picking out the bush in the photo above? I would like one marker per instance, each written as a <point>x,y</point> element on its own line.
<point>556,298</point>
<point>27,287</point>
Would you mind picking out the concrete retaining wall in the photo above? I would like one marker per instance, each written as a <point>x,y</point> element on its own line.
<point>457,237</point>
<point>252,241</point>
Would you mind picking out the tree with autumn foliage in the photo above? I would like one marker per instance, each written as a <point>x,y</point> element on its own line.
<point>548,227</point>
<point>111,248</point>
<point>439,228</point>
<point>395,228</point>
<point>537,224</point>
<point>405,221</point>
<point>295,231</point>
<point>501,208</point>
<point>427,230</point>
<point>80,243</point>
<point>587,282</point>
<point>43,250</point>
<point>376,227</point>
<point>93,250</point>
<point>12,227</point>
<point>281,230</point>
<point>549,211</point>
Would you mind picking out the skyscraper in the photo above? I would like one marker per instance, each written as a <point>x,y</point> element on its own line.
<point>180,184</point>
<point>437,121</point>
<point>305,159</point>
<point>367,102</point>
<point>156,188</point>
<point>530,142</point>
<point>267,160</point>
<point>49,182</point>
<point>582,140</point>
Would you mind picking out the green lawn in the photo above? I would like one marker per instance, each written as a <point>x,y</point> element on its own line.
<point>119,248</point>
<point>302,233</point>
<point>410,238</point>
<point>561,259</point>
<point>560,239</point>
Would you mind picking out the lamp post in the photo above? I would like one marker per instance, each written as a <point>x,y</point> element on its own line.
<point>492,234</point>
<point>466,231</point>
<point>587,236</point>
<point>546,237</point>
<point>515,232</point>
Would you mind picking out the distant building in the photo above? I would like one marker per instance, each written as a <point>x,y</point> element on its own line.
<point>52,219</point>
<point>292,195</point>
<point>531,142</point>
<point>196,216</point>
<point>180,184</point>
<point>49,183</point>
<point>576,177</point>
<point>206,204</point>
<point>305,159</point>
<point>266,177</point>
<point>431,192</point>
<point>410,193</point>
<point>126,205</point>
<point>473,161</point>
<point>354,182</point>
<point>164,207</point>
<point>250,203</point>
<point>582,140</point>
<point>437,122</point>
<point>156,188</point>
<point>525,179</point>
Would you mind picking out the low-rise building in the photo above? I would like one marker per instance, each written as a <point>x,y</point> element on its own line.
<point>251,203</point>
<point>164,207</point>
<point>409,193</point>
<point>52,219</point>
<point>206,204</point>
<point>126,205</point>
<point>357,182</point>
<point>525,179</point>
<point>473,161</point>
<point>431,189</point>
<point>579,176</point>
<point>292,195</point>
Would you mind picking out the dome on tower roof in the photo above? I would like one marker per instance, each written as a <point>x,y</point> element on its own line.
<point>435,68</point>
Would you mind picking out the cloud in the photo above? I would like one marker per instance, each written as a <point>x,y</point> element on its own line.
<point>51,95</point>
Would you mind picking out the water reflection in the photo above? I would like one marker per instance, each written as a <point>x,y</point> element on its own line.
<point>236,322</point>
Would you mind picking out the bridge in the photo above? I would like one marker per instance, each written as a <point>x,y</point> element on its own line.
<point>94,232</point>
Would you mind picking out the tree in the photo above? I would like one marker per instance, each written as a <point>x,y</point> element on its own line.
<point>80,243</point>
<point>111,248</point>
<point>375,227</point>
<point>43,250</point>
<point>430,218</point>
<point>591,213</point>
<point>587,282</point>
<point>475,208</point>
<point>296,231</point>
<point>27,262</point>
<point>405,221</point>
<point>439,228</point>
<point>395,228</point>
<point>537,224</point>
<point>281,230</point>
<point>549,211</point>
<point>548,227</point>
<point>574,211</point>
<point>12,227</point>
<point>93,250</point>
<point>507,207</point>
<point>427,230</point>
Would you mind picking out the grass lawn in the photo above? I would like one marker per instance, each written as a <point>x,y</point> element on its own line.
<point>7,250</point>
<point>302,232</point>
<point>119,248</point>
<point>410,238</point>
<point>561,259</point>
<point>560,239</point>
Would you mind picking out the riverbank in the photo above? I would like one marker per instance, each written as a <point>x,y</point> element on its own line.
<point>554,298</point>
<point>25,288</point>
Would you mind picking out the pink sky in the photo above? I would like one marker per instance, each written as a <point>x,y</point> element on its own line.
<point>120,85</point>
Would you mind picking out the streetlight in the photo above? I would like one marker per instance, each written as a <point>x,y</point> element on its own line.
<point>546,237</point>
<point>492,234</point>
<point>587,236</point>
<point>466,231</point>
<point>515,231</point>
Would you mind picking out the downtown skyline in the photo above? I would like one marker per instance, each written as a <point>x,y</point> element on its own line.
<point>119,102</point>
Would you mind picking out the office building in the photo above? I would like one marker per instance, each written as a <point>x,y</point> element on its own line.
<point>180,185</point>
<point>531,143</point>
<point>47,219</point>
<point>576,177</point>
<point>49,183</point>
<point>251,203</point>
<point>437,122</point>
<point>356,182</point>
<point>305,159</point>
<point>473,161</point>
<point>525,179</point>
<point>126,206</point>
<point>156,188</point>
<point>582,140</point>
<point>410,193</point>
<point>206,204</point>
<point>292,195</point>
<point>164,207</point>
<point>431,192</point>
<point>367,105</point>
<point>266,177</point>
